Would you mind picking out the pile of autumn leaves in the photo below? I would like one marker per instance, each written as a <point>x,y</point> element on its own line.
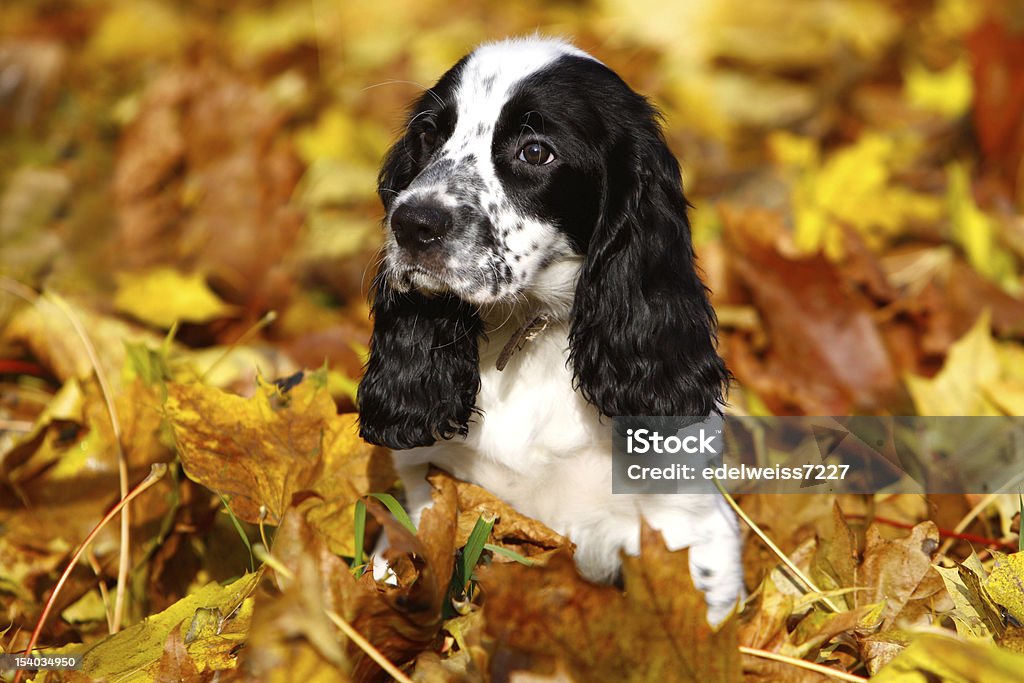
<point>285,471</point>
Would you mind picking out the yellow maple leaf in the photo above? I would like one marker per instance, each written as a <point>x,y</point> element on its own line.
<point>976,233</point>
<point>850,187</point>
<point>948,92</point>
<point>134,654</point>
<point>139,30</point>
<point>259,452</point>
<point>1006,583</point>
<point>971,364</point>
<point>164,296</point>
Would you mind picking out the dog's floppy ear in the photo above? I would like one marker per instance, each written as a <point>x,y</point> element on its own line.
<point>643,334</point>
<point>423,374</point>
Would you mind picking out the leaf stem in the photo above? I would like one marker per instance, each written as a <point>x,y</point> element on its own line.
<point>803,664</point>
<point>797,573</point>
<point>124,559</point>
<point>367,647</point>
<point>156,472</point>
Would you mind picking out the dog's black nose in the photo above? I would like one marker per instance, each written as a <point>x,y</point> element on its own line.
<point>418,226</point>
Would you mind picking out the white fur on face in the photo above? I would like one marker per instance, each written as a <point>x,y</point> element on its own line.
<point>499,252</point>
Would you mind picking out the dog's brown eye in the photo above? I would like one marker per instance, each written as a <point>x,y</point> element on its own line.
<point>536,154</point>
<point>428,138</point>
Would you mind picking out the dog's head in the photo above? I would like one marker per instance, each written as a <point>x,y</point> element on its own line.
<point>532,174</point>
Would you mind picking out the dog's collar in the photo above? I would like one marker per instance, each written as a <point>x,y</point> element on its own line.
<point>526,333</point>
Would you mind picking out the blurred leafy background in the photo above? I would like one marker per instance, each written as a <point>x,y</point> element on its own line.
<point>191,185</point>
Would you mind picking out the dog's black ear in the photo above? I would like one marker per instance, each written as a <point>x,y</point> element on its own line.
<point>423,374</point>
<point>643,334</point>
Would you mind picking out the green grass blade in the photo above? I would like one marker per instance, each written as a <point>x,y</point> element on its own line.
<point>396,509</point>
<point>240,530</point>
<point>360,524</point>
<point>510,554</point>
<point>474,547</point>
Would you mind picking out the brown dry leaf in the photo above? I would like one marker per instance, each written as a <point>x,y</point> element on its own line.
<point>512,529</point>
<point>996,49</point>
<point>47,333</point>
<point>196,194</point>
<point>806,518</point>
<point>542,618</point>
<point>264,450</point>
<point>942,294</point>
<point>881,648</point>
<point>29,206</point>
<point>763,625</point>
<point>466,661</point>
<point>341,344</point>
<point>400,621</point>
<point>79,441</point>
<point>291,636</point>
<point>57,484</point>
<point>39,64</point>
<point>432,668</point>
<point>825,355</point>
<point>775,620</point>
<point>835,564</point>
<point>899,572</point>
<point>177,664</point>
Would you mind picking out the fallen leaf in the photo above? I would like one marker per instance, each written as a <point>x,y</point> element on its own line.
<point>973,612</point>
<point>47,332</point>
<point>261,452</point>
<point>164,296</point>
<point>933,657</point>
<point>998,110</point>
<point>976,233</point>
<point>400,621</point>
<point>1006,583</point>
<point>40,64</point>
<point>29,206</point>
<point>956,390</point>
<point>899,572</point>
<point>825,355</point>
<point>140,30</point>
<point>290,627</point>
<point>545,617</point>
<point>176,663</point>
<point>948,92</point>
<point>197,195</point>
<point>512,529</point>
<point>881,648</point>
<point>851,187</point>
<point>137,653</point>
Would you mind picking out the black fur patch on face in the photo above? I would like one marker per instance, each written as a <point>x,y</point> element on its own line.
<point>407,158</point>
<point>569,107</point>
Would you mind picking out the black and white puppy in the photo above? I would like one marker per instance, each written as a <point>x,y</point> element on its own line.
<point>538,277</point>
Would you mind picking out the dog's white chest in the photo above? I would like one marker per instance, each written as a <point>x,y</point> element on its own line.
<point>530,414</point>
